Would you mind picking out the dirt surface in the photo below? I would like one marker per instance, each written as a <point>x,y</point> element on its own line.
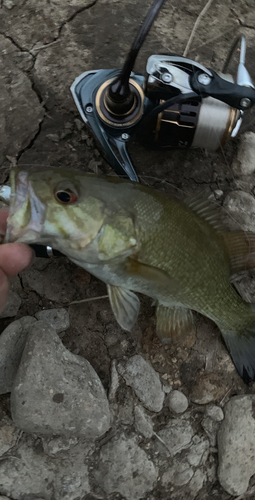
<point>44,46</point>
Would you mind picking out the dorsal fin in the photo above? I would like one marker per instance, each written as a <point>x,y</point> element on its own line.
<point>209,210</point>
<point>241,250</point>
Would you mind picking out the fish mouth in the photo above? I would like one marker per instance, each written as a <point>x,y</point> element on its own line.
<point>26,213</point>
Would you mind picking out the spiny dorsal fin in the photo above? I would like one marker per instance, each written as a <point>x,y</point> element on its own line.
<point>173,322</point>
<point>241,250</point>
<point>125,306</point>
<point>208,210</point>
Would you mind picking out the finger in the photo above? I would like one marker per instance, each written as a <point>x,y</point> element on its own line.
<point>14,257</point>
<point>3,218</point>
<point>4,289</point>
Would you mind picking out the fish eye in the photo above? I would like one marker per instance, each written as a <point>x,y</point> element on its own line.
<point>66,196</point>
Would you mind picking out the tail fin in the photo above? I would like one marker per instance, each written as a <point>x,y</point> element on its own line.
<point>241,346</point>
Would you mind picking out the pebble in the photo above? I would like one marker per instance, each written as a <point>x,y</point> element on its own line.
<point>177,435</point>
<point>244,164</point>
<point>57,392</point>
<point>12,306</point>
<point>12,343</point>
<point>56,318</point>
<point>236,445</point>
<point>140,375</point>
<point>124,467</point>
<point>143,423</point>
<point>177,402</point>
<point>214,412</point>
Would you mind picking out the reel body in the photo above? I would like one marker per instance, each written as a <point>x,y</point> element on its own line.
<point>178,104</point>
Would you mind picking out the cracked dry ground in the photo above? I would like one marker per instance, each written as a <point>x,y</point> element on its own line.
<point>44,46</point>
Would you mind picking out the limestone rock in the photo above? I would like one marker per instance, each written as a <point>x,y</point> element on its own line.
<point>8,436</point>
<point>214,412</point>
<point>179,474</point>
<point>124,468</point>
<point>12,306</point>
<point>198,451</point>
<point>56,392</point>
<point>236,444</point>
<point>29,473</point>
<point>177,402</point>
<point>12,343</point>
<point>241,208</point>
<point>177,435</point>
<point>143,423</point>
<point>56,318</point>
<point>244,164</point>
<point>140,375</point>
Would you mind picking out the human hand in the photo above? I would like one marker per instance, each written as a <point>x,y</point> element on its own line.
<point>13,258</point>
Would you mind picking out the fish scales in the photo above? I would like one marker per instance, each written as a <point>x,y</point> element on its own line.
<point>137,239</point>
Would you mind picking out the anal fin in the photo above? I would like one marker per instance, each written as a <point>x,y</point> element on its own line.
<point>173,323</point>
<point>125,306</point>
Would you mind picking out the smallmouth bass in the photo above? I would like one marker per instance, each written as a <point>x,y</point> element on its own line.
<point>137,239</point>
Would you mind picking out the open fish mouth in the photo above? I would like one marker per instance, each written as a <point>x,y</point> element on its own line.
<point>26,213</point>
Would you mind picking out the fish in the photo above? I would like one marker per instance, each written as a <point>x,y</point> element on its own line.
<point>139,240</point>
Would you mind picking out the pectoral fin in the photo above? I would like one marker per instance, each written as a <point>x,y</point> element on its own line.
<point>173,322</point>
<point>125,305</point>
<point>152,274</point>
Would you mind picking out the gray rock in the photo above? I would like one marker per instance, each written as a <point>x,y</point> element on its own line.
<point>241,208</point>
<point>12,343</point>
<point>177,402</point>
<point>211,427</point>
<point>29,472</point>
<point>196,483</point>
<point>236,444</point>
<point>8,437</point>
<point>53,446</point>
<point>198,451</point>
<point>178,475</point>
<point>72,475</point>
<point>244,164</point>
<point>214,412</point>
<point>56,318</point>
<point>140,375</point>
<point>12,306</point>
<point>56,392</point>
<point>143,423</point>
<point>6,498</point>
<point>177,435</point>
<point>125,468</point>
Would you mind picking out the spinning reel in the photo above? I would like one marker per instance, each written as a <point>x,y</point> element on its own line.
<point>179,104</point>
